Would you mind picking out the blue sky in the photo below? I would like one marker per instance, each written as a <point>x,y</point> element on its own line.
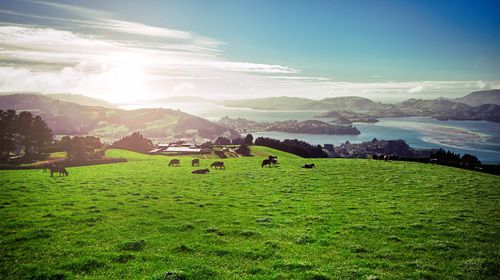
<point>134,50</point>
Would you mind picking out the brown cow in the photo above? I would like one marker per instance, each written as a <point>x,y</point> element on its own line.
<point>220,164</point>
<point>174,162</point>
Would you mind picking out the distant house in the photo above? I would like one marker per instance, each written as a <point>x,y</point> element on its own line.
<point>178,148</point>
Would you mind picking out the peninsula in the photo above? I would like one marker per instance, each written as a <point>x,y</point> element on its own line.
<point>290,126</point>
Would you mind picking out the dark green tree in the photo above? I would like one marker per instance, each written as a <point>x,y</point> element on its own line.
<point>249,139</point>
<point>222,141</point>
<point>41,134</point>
<point>7,132</point>
<point>76,148</point>
<point>244,150</point>
<point>135,142</point>
<point>24,126</point>
<point>92,141</point>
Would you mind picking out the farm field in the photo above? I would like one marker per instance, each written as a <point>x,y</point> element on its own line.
<point>343,219</point>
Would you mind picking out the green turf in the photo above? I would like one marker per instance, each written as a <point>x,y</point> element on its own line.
<point>344,219</point>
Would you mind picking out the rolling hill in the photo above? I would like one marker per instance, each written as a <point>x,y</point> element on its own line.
<point>343,219</point>
<point>481,98</point>
<point>67,118</point>
<point>353,103</point>
<point>481,105</point>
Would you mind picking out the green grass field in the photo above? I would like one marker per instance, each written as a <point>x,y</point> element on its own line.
<point>344,219</point>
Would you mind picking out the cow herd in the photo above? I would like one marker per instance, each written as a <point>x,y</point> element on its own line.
<point>270,161</point>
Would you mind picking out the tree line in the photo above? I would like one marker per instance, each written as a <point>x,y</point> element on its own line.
<point>135,142</point>
<point>81,148</point>
<point>296,147</point>
<point>23,130</point>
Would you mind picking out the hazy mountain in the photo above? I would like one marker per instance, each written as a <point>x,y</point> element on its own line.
<point>182,99</point>
<point>419,107</point>
<point>481,97</point>
<point>443,109</point>
<point>81,99</point>
<point>271,103</point>
<point>68,97</point>
<point>355,103</point>
<point>71,118</point>
<point>352,103</point>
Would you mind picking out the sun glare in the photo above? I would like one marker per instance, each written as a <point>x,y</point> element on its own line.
<point>125,78</point>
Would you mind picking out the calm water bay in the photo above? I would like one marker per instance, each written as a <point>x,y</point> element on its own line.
<point>478,138</point>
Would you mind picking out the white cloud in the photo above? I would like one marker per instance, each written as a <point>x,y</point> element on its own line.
<point>45,38</point>
<point>181,88</point>
<point>142,29</point>
<point>143,61</point>
<point>298,78</point>
<point>415,89</point>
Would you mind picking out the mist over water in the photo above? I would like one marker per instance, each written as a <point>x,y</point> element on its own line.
<point>479,138</point>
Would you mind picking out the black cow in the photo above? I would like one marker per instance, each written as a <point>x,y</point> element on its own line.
<point>195,162</point>
<point>311,165</point>
<point>274,160</point>
<point>266,162</point>
<point>201,171</point>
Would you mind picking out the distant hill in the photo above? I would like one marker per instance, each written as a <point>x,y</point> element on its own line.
<point>81,99</point>
<point>419,107</point>
<point>443,109</point>
<point>481,97</point>
<point>409,107</point>
<point>68,97</point>
<point>67,118</point>
<point>271,103</point>
<point>352,103</point>
<point>182,99</point>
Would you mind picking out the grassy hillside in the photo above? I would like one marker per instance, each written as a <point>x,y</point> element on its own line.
<point>271,103</point>
<point>295,103</point>
<point>344,219</point>
<point>481,97</point>
<point>72,118</point>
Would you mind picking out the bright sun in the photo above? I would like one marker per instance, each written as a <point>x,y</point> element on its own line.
<point>125,79</point>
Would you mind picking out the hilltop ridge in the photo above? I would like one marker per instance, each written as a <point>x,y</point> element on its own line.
<point>75,119</point>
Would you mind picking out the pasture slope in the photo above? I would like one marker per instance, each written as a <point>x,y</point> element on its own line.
<point>343,219</point>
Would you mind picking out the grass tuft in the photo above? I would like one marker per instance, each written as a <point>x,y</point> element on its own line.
<point>131,245</point>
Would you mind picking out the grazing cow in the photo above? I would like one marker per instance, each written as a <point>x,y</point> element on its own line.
<point>433,161</point>
<point>174,162</point>
<point>374,157</point>
<point>195,161</point>
<point>266,162</point>
<point>311,165</point>
<point>219,164</point>
<point>274,160</point>
<point>63,171</point>
<point>46,167</point>
<point>201,171</point>
<point>386,157</point>
<point>53,169</point>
